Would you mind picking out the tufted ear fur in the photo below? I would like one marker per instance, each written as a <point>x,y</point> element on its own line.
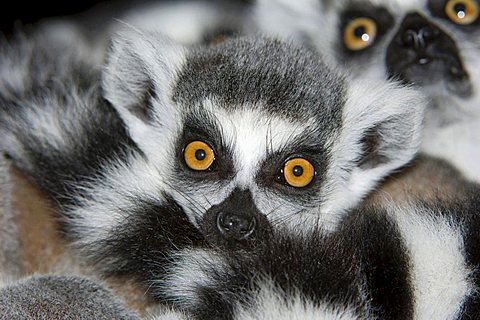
<point>137,80</point>
<point>381,132</point>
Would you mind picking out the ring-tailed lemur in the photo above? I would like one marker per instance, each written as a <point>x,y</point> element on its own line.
<point>433,43</point>
<point>214,143</point>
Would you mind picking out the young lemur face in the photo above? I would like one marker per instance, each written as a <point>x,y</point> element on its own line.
<point>256,129</point>
<point>432,43</point>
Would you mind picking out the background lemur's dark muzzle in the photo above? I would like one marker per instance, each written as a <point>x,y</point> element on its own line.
<point>421,52</point>
<point>235,222</point>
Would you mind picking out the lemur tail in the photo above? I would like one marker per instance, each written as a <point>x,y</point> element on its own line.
<point>54,123</point>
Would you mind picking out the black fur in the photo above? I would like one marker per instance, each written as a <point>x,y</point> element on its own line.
<point>363,266</point>
<point>142,245</point>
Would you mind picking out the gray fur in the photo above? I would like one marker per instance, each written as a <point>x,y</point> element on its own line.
<point>10,243</point>
<point>60,297</point>
<point>284,80</point>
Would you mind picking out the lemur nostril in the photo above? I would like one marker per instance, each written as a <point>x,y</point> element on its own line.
<point>408,37</point>
<point>429,33</point>
<point>235,225</point>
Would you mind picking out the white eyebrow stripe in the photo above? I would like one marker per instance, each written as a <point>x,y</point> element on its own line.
<point>251,132</point>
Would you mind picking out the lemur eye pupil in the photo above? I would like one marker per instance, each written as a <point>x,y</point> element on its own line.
<point>200,154</point>
<point>460,7</point>
<point>359,32</point>
<point>297,171</point>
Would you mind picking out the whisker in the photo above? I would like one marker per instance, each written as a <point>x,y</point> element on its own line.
<point>194,203</point>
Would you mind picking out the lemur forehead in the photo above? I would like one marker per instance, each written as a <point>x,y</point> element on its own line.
<point>279,78</point>
<point>251,133</point>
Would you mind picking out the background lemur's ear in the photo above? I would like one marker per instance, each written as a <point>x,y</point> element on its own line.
<point>138,77</point>
<point>381,131</point>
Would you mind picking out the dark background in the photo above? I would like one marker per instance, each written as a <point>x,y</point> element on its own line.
<point>21,13</point>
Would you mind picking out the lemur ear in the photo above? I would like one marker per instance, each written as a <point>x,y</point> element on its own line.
<point>382,129</point>
<point>138,75</point>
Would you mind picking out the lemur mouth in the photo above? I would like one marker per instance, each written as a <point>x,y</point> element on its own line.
<point>423,54</point>
<point>433,71</point>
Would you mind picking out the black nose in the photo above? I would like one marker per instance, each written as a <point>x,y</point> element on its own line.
<point>422,53</point>
<point>417,33</point>
<point>235,225</point>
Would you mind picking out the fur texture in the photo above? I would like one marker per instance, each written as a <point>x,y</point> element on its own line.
<point>10,245</point>
<point>448,74</point>
<point>189,22</point>
<point>409,262</point>
<point>57,297</point>
<point>113,157</point>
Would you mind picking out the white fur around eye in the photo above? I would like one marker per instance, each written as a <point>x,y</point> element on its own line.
<point>252,134</point>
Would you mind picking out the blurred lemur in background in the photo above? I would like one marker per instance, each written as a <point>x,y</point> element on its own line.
<point>431,43</point>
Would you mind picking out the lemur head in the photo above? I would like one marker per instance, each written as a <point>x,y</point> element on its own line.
<point>432,43</point>
<point>254,129</point>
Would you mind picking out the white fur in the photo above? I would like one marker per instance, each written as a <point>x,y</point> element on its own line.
<point>371,103</point>
<point>270,304</point>
<point>276,17</point>
<point>439,274</point>
<point>137,59</point>
<point>463,151</point>
<point>169,315</point>
<point>189,274</point>
<point>251,133</point>
<point>109,201</point>
<point>185,21</point>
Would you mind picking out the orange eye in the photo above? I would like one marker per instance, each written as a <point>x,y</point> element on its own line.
<point>298,172</point>
<point>198,155</point>
<point>359,34</point>
<point>462,12</point>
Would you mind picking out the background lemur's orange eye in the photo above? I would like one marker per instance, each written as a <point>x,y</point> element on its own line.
<point>462,11</point>
<point>298,172</point>
<point>198,156</point>
<point>359,34</point>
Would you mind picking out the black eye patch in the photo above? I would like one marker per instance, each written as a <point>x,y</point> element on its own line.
<point>382,18</point>
<point>465,14</point>
<point>202,127</point>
